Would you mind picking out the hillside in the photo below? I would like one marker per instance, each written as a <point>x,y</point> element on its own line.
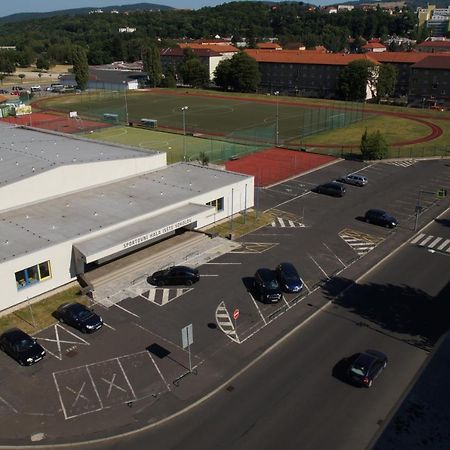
<point>82,11</point>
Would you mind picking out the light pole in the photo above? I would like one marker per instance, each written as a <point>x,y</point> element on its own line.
<point>277,132</point>
<point>125,85</point>
<point>183,110</point>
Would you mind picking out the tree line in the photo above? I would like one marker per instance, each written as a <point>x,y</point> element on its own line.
<point>51,39</point>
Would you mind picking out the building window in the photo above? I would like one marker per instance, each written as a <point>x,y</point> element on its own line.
<point>218,204</point>
<point>33,274</point>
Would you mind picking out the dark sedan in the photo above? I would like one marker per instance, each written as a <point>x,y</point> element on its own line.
<point>380,217</point>
<point>366,367</point>
<point>174,275</point>
<point>332,188</point>
<point>289,278</point>
<point>79,316</point>
<point>21,346</point>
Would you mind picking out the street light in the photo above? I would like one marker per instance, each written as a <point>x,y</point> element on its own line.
<point>184,109</point>
<point>125,84</point>
<point>277,93</point>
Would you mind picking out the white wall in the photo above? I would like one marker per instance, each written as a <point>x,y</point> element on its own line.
<point>72,178</point>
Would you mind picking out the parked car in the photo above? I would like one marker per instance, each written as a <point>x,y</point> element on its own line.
<point>36,88</point>
<point>21,346</point>
<point>266,286</point>
<point>288,277</point>
<point>17,88</point>
<point>174,275</point>
<point>79,316</point>
<point>4,91</point>
<point>332,188</point>
<point>353,178</point>
<point>366,367</point>
<point>380,217</point>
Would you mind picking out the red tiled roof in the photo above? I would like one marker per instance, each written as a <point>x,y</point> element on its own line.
<point>222,48</point>
<point>306,57</point>
<point>445,44</point>
<point>373,45</point>
<point>205,52</point>
<point>398,57</point>
<point>434,62</point>
<point>268,45</point>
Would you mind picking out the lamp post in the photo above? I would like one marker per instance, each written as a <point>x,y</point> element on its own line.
<point>125,85</point>
<point>277,131</point>
<point>183,110</point>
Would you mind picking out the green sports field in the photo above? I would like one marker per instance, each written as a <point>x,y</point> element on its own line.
<point>265,121</point>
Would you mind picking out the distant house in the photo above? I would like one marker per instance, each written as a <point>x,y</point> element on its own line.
<point>268,46</point>
<point>374,47</point>
<point>127,30</point>
<point>225,49</point>
<point>295,46</point>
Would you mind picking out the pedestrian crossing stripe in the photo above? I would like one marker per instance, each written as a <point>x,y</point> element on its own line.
<point>433,242</point>
<point>279,222</point>
<point>225,323</point>
<point>162,296</point>
<point>405,163</point>
<point>361,243</point>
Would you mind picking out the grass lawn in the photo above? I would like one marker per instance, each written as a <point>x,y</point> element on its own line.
<point>171,143</point>
<point>35,317</point>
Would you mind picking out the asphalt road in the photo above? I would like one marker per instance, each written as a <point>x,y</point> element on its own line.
<point>295,397</point>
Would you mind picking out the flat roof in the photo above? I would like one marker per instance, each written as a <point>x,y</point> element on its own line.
<point>25,152</point>
<point>66,218</point>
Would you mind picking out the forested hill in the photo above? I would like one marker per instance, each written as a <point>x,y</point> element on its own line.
<point>54,37</point>
<point>82,11</point>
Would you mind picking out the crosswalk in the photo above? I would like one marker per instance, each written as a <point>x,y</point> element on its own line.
<point>280,222</point>
<point>432,242</point>
<point>162,296</point>
<point>361,243</point>
<point>403,163</point>
<point>225,323</point>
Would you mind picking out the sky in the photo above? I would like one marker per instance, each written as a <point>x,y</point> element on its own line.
<point>18,6</point>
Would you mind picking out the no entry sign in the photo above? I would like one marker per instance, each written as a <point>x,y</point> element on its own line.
<point>236,314</point>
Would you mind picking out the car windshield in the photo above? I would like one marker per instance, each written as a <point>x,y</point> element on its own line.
<point>24,344</point>
<point>358,371</point>
<point>272,284</point>
<point>83,314</point>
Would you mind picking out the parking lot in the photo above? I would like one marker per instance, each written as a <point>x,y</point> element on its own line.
<point>137,357</point>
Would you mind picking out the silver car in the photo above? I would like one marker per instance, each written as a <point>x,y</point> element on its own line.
<point>355,179</point>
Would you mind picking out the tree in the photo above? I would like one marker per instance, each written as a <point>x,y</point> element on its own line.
<point>80,67</point>
<point>373,146</point>
<point>42,62</point>
<point>354,79</point>
<point>21,76</point>
<point>152,64</point>
<point>7,62</point>
<point>240,73</point>
<point>386,81</point>
<point>193,71</point>
<point>170,77</point>
<point>203,158</point>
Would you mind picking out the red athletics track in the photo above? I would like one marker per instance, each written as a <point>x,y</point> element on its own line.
<point>276,164</point>
<point>55,122</point>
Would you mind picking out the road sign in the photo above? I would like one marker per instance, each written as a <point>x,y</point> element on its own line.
<point>236,314</point>
<point>187,336</point>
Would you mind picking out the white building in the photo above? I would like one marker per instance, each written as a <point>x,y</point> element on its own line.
<point>68,203</point>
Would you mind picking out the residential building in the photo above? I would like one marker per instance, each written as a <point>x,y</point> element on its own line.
<point>374,47</point>
<point>268,46</point>
<point>434,46</point>
<point>306,72</point>
<point>430,80</point>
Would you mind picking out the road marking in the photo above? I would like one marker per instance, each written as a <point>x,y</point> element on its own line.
<point>223,264</point>
<point>444,244</point>
<point>14,410</point>
<point>417,238</point>
<point>208,275</point>
<point>361,243</point>
<point>337,257</point>
<point>433,244</point>
<point>126,378</point>
<point>320,268</point>
<point>426,240</point>
<point>59,341</point>
<point>95,387</point>
<point>224,322</point>
<point>255,247</point>
<point>126,310</point>
<point>162,296</point>
<point>257,307</point>
<point>159,372</point>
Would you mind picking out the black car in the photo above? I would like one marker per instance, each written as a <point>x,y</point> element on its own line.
<point>288,277</point>
<point>175,275</point>
<point>266,286</point>
<point>79,316</point>
<point>332,188</point>
<point>21,346</point>
<point>380,217</point>
<point>366,367</point>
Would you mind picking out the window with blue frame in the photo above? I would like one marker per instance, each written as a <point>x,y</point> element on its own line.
<point>33,274</point>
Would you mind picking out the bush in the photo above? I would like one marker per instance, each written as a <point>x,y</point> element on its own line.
<point>374,145</point>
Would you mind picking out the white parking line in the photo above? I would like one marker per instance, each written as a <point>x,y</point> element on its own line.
<point>222,264</point>
<point>14,410</point>
<point>94,387</point>
<point>126,310</point>
<point>320,268</point>
<point>337,257</point>
<point>257,307</point>
<point>126,378</point>
<point>159,371</point>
